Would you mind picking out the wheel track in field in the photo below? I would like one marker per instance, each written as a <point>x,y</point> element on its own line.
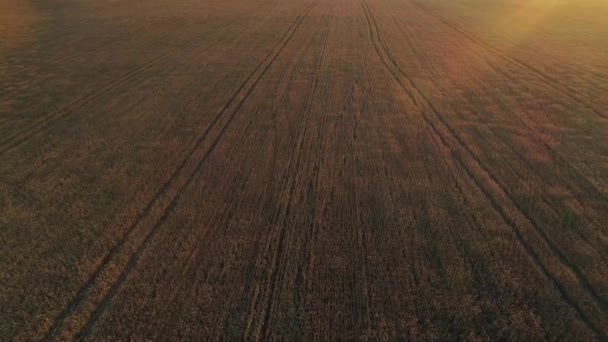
<point>309,239</point>
<point>558,158</point>
<point>289,170</point>
<point>556,84</point>
<point>537,226</point>
<point>410,88</point>
<point>237,101</point>
<point>270,58</point>
<point>564,66</point>
<point>453,133</point>
<point>121,242</point>
<point>508,220</point>
<point>191,256</point>
<point>39,125</point>
<point>575,176</point>
<point>284,177</point>
<point>146,211</point>
<point>585,284</point>
<point>281,216</point>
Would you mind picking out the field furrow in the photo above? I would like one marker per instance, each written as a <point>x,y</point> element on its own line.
<point>303,170</point>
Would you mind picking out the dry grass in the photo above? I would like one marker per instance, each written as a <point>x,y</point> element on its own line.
<point>306,169</point>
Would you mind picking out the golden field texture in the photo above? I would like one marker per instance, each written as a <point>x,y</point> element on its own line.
<point>304,170</point>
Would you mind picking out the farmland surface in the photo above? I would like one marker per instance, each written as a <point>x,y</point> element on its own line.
<point>304,170</point>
